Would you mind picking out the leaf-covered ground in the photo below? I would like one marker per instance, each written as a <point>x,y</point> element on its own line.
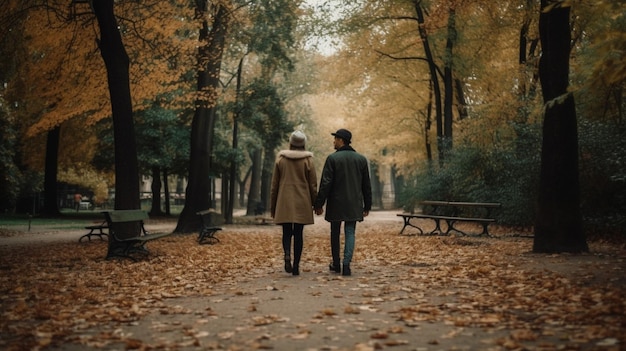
<point>406,293</point>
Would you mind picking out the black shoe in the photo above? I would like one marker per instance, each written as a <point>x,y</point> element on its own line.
<point>346,270</point>
<point>334,268</point>
<point>288,267</point>
<point>296,270</point>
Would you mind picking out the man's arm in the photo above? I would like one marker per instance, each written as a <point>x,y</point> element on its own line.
<point>366,189</point>
<point>325,185</point>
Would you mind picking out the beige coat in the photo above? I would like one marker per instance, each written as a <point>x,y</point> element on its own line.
<point>294,187</point>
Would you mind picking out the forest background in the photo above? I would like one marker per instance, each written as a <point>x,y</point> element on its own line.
<point>371,66</point>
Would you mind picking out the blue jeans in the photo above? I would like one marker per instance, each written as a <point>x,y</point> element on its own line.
<point>348,249</point>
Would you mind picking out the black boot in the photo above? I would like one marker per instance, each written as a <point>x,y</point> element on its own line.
<point>334,268</point>
<point>296,270</point>
<point>346,270</point>
<point>288,267</point>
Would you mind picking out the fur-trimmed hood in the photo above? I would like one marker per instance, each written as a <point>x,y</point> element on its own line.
<point>295,154</point>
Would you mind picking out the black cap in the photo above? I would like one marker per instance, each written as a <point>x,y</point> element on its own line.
<point>343,134</point>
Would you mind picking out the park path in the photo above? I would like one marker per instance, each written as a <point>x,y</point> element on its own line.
<point>318,310</point>
<point>382,306</point>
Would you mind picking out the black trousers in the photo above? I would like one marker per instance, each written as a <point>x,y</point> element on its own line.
<point>294,230</point>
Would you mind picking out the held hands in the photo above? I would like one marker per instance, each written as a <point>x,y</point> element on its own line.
<point>319,211</point>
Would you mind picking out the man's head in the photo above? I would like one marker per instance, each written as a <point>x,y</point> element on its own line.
<point>342,137</point>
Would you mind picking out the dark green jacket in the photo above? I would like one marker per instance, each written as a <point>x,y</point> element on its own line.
<point>345,186</point>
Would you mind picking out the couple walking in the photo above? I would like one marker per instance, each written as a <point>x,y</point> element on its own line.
<point>345,188</point>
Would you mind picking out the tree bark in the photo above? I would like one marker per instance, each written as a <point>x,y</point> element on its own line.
<point>126,165</point>
<point>155,208</point>
<point>558,224</point>
<point>233,163</point>
<point>432,67</point>
<point>448,89</point>
<point>50,199</point>
<point>198,193</point>
<point>166,191</point>
<point>269,156</point>
<point>255,182</point>
<point>117,65</point>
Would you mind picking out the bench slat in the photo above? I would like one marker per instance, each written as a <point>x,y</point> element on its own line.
<point>120,216</point>
<point>144,238</point>
<point>448,218</point>
<point>467,204</point>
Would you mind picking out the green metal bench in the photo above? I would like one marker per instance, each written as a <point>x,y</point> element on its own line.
<point>120,223</point>
<point>452,212</point>
<point>208,230</point>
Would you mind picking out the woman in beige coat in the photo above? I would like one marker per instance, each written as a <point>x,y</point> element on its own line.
<point>294,188</point>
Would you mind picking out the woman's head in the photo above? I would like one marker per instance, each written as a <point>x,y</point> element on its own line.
<point>297,140</point>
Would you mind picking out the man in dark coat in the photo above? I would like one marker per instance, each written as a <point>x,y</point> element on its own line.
<point>346,189</point>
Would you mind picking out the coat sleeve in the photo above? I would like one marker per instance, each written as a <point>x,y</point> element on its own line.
<point>312,179</point>
<point>274,191</point>
<point>325,184</point>
<point>366,188</point>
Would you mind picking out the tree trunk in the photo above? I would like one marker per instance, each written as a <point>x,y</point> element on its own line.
<point>269,157</point>
<point>460,99</point>
<point>198,193</point>
<point>50,199</point>
<point>166,191</point>
<point>117,65</point>
<point>255,182</point>
<point>433,75</point>
<point>225,198</point>
<point>242,187</point>
<point>377,186</point>
<point>428,124</point>
<point>558,225</point>
<point>233,163</point>
<point>527,51</point>
<point>155,209</point>
<point>448,89</point>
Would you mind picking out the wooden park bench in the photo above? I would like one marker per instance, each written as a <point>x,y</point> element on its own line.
<point>120,221</point>
<point>208,230</point>
<point>451,213</point>
<point>96,230</point>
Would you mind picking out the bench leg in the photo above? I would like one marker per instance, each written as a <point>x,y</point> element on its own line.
<point>438,230</point>
<point>207,236</point>
<point>486,231</point>
<point>125,249</point>
<point>407,223</point>
<point>121,252</point>
<point>88,236</point>
<point>452,228</point>
<point>101,234</point>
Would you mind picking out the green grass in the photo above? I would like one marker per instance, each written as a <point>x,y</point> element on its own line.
<point>69,218</point>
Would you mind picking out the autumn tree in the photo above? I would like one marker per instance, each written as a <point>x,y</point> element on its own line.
<point>558,225</point>
<point>212,41</point>
<point>63,97</point>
